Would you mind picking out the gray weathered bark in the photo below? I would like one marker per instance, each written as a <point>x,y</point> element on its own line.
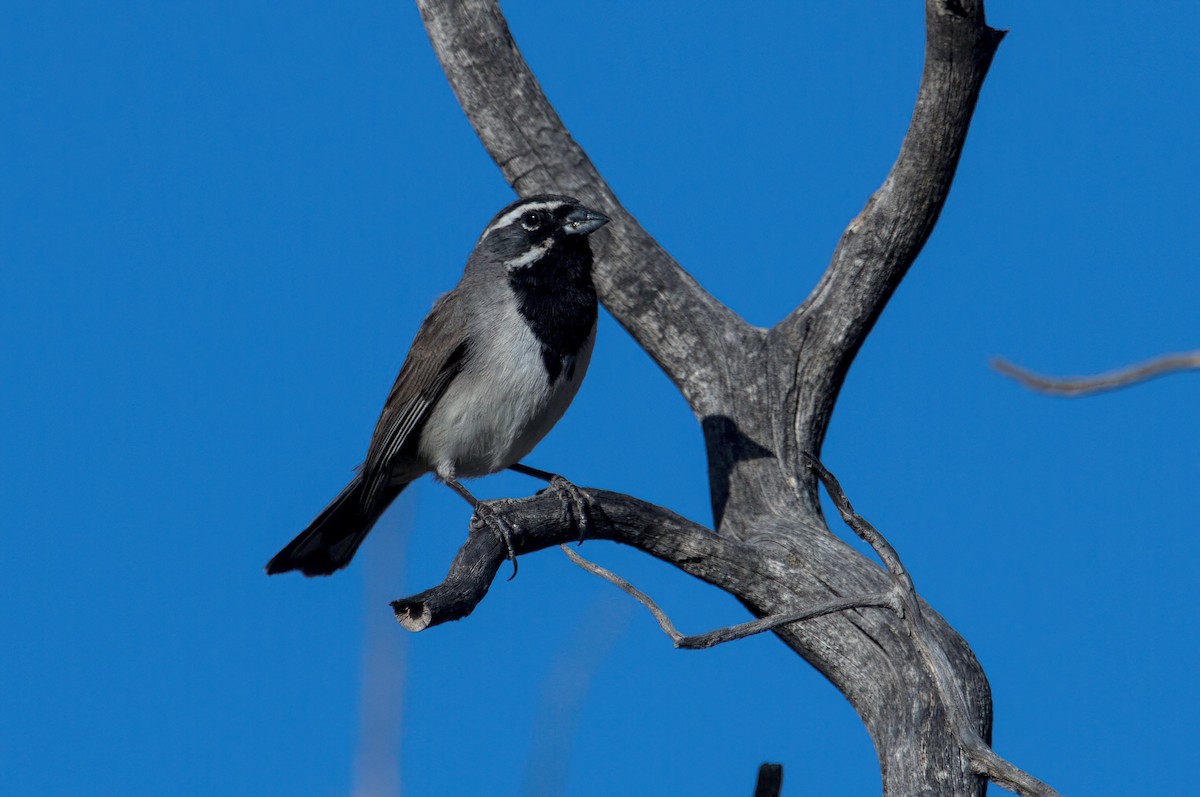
<point>764,399</point>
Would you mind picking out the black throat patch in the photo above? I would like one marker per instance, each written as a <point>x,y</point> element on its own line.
<point>556,298</point>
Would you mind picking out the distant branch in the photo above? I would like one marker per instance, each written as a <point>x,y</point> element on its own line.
<point>1074,386</point>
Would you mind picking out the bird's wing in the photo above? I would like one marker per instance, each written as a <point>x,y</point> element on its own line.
<point>438,354</point>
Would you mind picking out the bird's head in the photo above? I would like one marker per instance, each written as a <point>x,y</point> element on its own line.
<point>533,227</point>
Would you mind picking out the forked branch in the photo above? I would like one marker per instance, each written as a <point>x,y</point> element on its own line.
<point>764,399</point>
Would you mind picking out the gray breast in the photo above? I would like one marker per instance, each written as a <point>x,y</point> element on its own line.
<point>504,401</point>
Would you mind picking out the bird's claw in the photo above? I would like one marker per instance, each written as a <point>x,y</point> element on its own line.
<point>575,499</point>
<point>503,529</point>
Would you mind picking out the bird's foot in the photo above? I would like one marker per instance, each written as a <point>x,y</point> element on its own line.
<point>576,502</point>
<point>488,516</point>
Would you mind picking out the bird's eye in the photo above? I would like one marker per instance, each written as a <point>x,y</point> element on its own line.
<point>531,221</point>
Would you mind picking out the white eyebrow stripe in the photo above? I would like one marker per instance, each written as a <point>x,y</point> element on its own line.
<point>516,213</point>
<point>534,254</point>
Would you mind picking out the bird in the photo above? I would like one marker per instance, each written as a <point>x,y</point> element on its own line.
<point>492,368</point>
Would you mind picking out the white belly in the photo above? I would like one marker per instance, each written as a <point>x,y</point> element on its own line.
<point>499,407</point>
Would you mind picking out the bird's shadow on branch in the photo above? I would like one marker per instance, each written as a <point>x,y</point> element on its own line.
<point>726,445</point>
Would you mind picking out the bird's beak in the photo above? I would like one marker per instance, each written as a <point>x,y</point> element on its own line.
<point>582,221</point>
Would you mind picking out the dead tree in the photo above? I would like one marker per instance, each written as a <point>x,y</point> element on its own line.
<point>763,398</point>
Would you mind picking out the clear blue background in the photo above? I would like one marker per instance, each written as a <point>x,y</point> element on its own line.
<point>221,224</point>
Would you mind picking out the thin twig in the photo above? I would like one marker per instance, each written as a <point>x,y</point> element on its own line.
<point>1074,386</point>
<point>741,630</point>
<point>861,526</point>
<point>664,622</point>
<point>1007,776</point>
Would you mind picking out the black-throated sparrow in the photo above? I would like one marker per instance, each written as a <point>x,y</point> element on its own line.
<point>492,368</point>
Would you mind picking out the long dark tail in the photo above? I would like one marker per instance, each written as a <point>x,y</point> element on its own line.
<point>329,542</point>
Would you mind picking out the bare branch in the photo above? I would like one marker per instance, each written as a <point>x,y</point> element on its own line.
<point>1074,386</point>
<point>539,522</point>
<point>742,630</point>
<point>689,333</point>
<point>881,243</point>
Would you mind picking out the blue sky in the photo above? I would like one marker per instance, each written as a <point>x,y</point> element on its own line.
<point>221,224</point>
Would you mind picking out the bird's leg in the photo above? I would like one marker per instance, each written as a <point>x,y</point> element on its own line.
<point>491,518</point>
<point>572,497</point>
